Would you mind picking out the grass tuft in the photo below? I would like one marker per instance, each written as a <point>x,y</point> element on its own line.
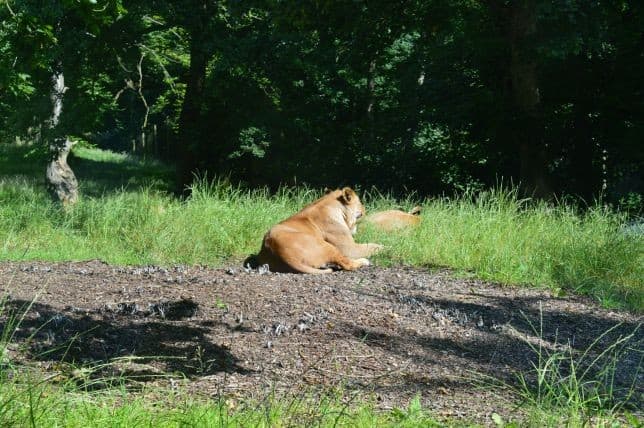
<point>578,389</point>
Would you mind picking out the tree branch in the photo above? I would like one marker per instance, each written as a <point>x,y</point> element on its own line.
<point>166,74</point>
<point>11,12</point>
<point>139,68</point>
<point>136,87</point>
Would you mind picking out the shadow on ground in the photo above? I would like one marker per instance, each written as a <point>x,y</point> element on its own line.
<point>392,334</point>
<point>501,337</point>
<point>97,337</point>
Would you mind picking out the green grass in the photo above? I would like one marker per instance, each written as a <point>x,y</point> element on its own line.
<point>46,405</point>
<point>125,216</point>
<point>132,220</point>
<point>42,404</point>
<point>497,236</point>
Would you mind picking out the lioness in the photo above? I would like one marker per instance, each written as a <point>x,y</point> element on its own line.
<point>318,237</point>
<point>394,219</point>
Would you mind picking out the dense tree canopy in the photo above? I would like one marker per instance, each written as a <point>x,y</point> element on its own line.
<point>430,96</point>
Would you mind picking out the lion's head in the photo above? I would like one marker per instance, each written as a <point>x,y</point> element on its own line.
<point>352,208</point>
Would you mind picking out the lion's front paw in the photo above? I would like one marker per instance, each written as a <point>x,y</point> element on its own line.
<point>363,262</point>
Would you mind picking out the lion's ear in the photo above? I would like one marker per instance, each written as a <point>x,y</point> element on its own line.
<point>415,211</point>
<point>327,190</point>
<point>347,194</point>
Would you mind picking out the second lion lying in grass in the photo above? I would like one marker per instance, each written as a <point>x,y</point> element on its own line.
<point>318,238</point>
<point>391,220</point>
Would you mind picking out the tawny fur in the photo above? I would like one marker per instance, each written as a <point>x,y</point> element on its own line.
<point>394,219</point>
<point>318,237</point>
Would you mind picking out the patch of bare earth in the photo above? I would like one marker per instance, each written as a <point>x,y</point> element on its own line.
<point>387,335</point>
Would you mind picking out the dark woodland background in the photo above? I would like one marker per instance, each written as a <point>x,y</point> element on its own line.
<point>430,96</point>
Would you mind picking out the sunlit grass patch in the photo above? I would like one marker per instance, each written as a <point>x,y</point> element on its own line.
<point>30,399</point>
<point>494,235</point>
<point>497,236</point>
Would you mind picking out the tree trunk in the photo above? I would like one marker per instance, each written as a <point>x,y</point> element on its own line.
<point>190,117</point>
<point>371,100</point>
<point>60,179</point>
<point>525,92</point>
<point>585,180</point>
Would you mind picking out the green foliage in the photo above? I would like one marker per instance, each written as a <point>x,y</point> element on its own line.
<point>417,96</point>
<point>253,142</point>
<point>38,37</point>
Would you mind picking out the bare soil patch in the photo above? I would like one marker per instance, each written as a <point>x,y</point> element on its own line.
<point>386,334</point>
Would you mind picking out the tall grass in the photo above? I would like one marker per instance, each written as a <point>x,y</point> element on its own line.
<point>569,388</point>
<point>493,235</point>
<point>46,405</point>
<point>217,223</point>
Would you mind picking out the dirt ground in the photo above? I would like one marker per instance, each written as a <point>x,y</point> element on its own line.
<point>384,334</point>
